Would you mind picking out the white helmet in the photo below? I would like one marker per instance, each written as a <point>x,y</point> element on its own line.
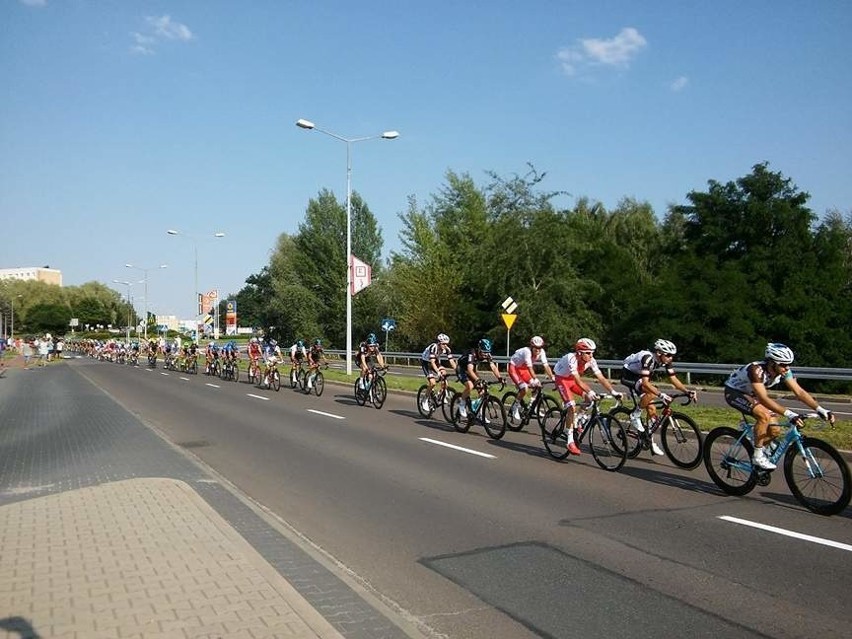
<point>585,344</point>
<point>536,342</point>
<point>443,338</point>
<point>254,340</point>
<point>778,353</point>
<point>665,346</point>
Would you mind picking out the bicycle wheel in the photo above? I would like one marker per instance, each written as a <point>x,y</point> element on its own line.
<point>380,392</point>
<point>682,440</point>
<point>319,384</point>
<point>553,434</point>
<point>495,418</point>
<point>424,402</point>
<point>446,401</point>
<point>461,424</point>
<point>193,367</point>
<point>727,458</point>
<point>545,405</point>
<point>606,441</point>
<point>508,401</point>
<point>819,480</point>
<point>632,438</point>
<point>276,380</point>
<point>235,373</point>
<point>360,393</point>
<point>294,378</point>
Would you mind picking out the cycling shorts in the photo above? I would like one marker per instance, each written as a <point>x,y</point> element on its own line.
<point>568,387</point>
<point>522,376</point>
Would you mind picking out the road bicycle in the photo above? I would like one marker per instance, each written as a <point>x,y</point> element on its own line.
<point>230,370</point>
<point>253,371</point>
<point>815,472</point>
<point>539,406</point>
<point>605,432</point>
<point>152,359</point>
<point>681,438</point>
<point>373,389</point>
<point>428,402</point>
<point>486,409</point>
<point>317,381</point>
<point>271,375</point>
<point>297,375</point>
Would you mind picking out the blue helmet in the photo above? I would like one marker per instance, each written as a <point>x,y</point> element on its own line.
<point>300,344</point>
<point>371,339</point>
<point>318,342</point>
<point>485,345</point>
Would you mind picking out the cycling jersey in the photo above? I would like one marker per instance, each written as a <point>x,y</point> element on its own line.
<point>523,357</point>
<point>437,351</point>
<point>298,352</point>
<point>315,354</point>
<point>643,364</point>
<point>743,378</point>
<point>570,365</point>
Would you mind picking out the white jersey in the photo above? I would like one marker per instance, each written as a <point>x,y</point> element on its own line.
<point>523,357</point>
<point>570,365</point>
<point>743,378</point>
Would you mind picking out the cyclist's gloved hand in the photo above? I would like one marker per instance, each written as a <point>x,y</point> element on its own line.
<point>666,398</point>
<point>617,395</point>
<point>591,396</point>
<point>793,417</point>
<point>825,415</point>
<point>693,395</point>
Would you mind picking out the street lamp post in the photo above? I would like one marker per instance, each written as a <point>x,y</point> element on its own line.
<point>387,135</point>
<point>129,305</point>
<point>195,247</point>
<point>145,271</point>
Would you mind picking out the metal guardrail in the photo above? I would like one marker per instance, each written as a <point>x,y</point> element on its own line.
<point>611,367</point>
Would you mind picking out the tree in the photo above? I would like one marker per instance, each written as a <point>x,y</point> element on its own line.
<point>48,318</point>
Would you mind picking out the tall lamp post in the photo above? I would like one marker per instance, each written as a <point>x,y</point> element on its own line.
<point>195,247</point>
<point>128,285</point>
<point>145,271</point>
<point>387,135</point>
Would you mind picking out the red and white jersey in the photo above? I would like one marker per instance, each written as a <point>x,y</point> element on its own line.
<point>523,357</point>
<point>570,365</point>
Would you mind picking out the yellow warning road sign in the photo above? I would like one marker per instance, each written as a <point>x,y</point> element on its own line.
<point>509,319</point>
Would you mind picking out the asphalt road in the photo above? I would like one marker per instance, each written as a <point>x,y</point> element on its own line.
<point>496,540</point>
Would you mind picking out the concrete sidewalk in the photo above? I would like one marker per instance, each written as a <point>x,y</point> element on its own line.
<point>142,557</point>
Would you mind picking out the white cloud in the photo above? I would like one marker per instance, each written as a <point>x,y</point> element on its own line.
<point>159,29</point>
<point>679,83</point>
<point>614,52</point>
<point>34,3</point>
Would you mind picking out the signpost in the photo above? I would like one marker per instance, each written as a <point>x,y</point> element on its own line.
<point>509,307</point>
<point>388,325</point>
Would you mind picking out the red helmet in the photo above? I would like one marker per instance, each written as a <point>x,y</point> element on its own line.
<point>585,344</point>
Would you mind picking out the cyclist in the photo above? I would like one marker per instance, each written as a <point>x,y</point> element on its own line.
<point>568,370</point>
<point>746,390</point>
<point>636,375</point>
<point>367,350</point>
<point>316,356</point>
<point>522,371</point>
<point>433,361</point>
<point>230,352</point>
<point>466,370</point>
<point>254,354</point>
<point>212,354</point>
<point>297,355</point>
<point>272,355</point>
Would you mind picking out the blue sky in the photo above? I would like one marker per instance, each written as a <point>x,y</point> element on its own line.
<point>122,119</point>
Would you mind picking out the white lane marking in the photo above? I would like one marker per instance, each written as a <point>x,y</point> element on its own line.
<point>186,379</point>
<point>164,374</point>
<point>266,399</point>
<point>212,385</point>
<point>319,412</point>
<point>454,447</point>
<point>788,533</point>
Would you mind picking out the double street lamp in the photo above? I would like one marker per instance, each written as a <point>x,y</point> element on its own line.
<point>195,247</point>
<point>145,271</point>
<point>129,305</point>
<point>387,135</point>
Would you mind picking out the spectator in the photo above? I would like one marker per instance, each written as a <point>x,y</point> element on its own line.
<point>27,350</point>
<point>44,350</point>
<point>60,345</point>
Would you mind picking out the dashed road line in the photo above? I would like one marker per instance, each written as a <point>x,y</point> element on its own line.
<point>319,412</point>
<point>266,399</point>
<point>459,448</point>
<point>787,533</point>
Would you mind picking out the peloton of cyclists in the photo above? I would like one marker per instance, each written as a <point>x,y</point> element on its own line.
<point>636,375</point>
<point>746,390</point>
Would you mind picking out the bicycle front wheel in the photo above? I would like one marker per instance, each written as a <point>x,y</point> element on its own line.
<point>606,441</point>
<point>682,440</point>
<point>424,402</point>
<point>553,434</point>
<point>319,384</point>
<point>446,402</point>
<point>294,378</point>
<point>727,458</point>
<point>819,480</point>
<point>360,393</point>
<point>509,400</point>
<point>235,374</point>
<point>495,418</point>
<point>461,424</point>
<point>276,381</point>
<point>632,438</point>
<point>380,392</point>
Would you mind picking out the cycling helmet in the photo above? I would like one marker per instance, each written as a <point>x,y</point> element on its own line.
<point>485,345</point>
<point>443,338</point>
<point>300,344</point>
<point>273,342</point>
<point>778,353</point>
<point>318,342</point>
<point>536,342</point>
<point>371,339</point>
<point>585,344</point>
<point>254,340</point>
<point>665,346</point>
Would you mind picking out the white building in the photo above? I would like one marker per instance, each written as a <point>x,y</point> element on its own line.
<point>33,273</point>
